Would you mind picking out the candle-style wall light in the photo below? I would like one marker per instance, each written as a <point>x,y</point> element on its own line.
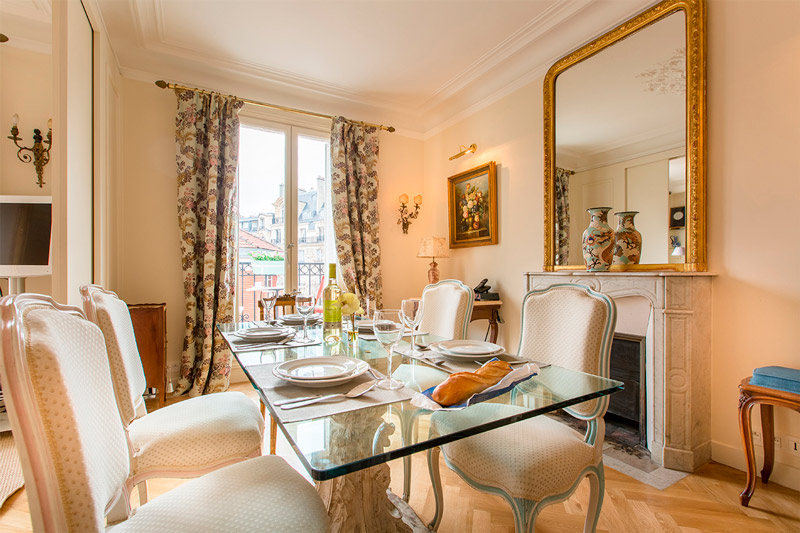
<point>41,155</point>
<point>405,215</point>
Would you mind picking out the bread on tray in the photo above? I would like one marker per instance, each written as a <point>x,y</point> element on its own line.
<point>461,385</point>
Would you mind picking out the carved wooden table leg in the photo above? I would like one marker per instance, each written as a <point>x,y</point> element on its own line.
<point>768,436</point>
<point>358,502</point>
<point>493,327</point>
<point>746,404</point>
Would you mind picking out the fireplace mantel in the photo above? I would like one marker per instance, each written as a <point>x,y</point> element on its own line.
<point>680,373</point>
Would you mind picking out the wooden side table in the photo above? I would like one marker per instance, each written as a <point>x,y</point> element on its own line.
<point>150,328</point>
<point>767,398</point>
<point>488,310</point>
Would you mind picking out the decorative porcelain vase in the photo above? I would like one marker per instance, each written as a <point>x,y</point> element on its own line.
<point>598,241</point>
<point>627,240</point>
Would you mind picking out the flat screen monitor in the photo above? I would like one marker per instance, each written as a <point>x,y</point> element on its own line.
<point>25,226</point>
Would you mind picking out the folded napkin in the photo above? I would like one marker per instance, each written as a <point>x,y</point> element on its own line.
<point>522,373</point>
<point>277,389</point>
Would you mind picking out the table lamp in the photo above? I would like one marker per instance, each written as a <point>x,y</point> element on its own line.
<point>433,247</point>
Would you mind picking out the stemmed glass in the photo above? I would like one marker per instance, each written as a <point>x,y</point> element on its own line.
<point>305,306</point>
<point>411,313</point>
<point>268,303</point>
<point>388,327</point>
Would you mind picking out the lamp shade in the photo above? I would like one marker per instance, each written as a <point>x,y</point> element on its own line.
<point>433,247</point>
<point>679,250</point>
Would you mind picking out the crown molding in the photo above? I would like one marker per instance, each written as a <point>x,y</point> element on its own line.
<point>40,10</point>
<point>518,40</point>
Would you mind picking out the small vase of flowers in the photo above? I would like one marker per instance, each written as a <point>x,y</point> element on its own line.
<point>351,307</point>
<point>473,208</point>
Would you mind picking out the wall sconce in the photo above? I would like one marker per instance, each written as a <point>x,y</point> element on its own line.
<point>41,155</point>
<point>405,216</point>
<point>465,150</point>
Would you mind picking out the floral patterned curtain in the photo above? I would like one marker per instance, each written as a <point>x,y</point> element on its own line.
<point>562,215</point>
<point>207,141</point>
<point>354,190</point>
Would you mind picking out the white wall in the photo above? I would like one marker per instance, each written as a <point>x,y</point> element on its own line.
<point>25,89</point>
<point>753,193</point>
<point>72,152</point>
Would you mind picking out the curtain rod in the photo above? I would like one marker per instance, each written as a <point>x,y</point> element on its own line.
<point>165,85</point>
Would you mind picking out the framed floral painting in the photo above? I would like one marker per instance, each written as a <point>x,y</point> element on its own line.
<point>472,201</point>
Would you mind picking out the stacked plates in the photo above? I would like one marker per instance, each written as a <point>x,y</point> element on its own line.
<point>297,320</point>
<point>264,334</point>
<point>320,371</point>
<point>467,349</point>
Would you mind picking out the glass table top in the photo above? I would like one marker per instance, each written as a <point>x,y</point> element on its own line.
<point>338,444</point>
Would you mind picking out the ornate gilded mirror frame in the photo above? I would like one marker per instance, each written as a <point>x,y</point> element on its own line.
<point>694,11</point>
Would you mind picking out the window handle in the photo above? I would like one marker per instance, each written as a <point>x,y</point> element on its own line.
<point>290,245</point>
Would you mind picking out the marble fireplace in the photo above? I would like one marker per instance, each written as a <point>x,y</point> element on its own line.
<point>678,366</point>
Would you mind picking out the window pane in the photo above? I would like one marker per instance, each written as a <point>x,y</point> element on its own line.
<point>262,225</point>
<point>312,211</point>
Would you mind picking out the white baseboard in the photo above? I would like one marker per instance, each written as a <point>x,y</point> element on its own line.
<point>782,474</point>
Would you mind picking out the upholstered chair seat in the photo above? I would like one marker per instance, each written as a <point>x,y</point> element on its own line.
<point>261,494</point>
<point>184,439</point>
<point>531,459</point>
<point>197,434</point>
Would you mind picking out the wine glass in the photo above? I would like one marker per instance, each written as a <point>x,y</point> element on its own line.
<point>411,313</point>
<point>268,303</point>
<point>388,327</point>
<point>305,306</point>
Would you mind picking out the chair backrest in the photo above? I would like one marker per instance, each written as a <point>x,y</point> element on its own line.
<point>111,314</point>
<point>447,309</point>
<point>57,386</point>
<point>571,326</point>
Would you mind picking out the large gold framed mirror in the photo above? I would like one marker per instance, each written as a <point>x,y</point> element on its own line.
<point>624,127</point>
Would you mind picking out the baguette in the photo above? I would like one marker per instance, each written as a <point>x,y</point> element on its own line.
<point>461,385</point>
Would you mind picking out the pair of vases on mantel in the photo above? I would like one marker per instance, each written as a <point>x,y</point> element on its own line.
<point>602,246</point>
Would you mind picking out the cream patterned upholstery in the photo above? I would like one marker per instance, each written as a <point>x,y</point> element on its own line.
<point>261,494</point>
<point>73,449</point>
<point>539,461</point>
<point>447,309</point>
<point>196,434</point>
<point>69,369</point>
<point>531,459</point>
<point>114,320</point>
<point>185,439</point>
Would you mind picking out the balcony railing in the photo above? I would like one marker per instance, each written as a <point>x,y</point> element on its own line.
<point>310,278</point>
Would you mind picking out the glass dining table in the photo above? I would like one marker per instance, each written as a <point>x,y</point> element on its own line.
<point>356,444</point>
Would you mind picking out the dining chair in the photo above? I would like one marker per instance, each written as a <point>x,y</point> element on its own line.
<point>539,461</point>
<point>447,309</point>
<point>446,312</point>
<point>185,439</point>
<point>74,452</point>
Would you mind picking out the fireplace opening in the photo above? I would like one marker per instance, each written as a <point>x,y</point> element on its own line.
<point>626,419</point>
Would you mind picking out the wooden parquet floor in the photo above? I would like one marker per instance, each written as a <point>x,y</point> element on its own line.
<point>707,500</point>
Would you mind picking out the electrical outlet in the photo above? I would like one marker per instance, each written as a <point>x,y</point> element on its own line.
<point>792,444</point>
<point>757,440</point>
<point>778,442</point>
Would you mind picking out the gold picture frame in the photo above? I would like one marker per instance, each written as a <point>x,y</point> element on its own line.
<point>695,212</point>
<point>472,207</point>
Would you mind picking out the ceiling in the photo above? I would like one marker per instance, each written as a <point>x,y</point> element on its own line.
<point>416,64</point>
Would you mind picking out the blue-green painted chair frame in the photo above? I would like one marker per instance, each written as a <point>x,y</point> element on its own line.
<point>525,511</point>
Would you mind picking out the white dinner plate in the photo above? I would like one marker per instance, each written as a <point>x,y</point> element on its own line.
<point>361,367</point>
<point>297,320</point>
<point>317,367</point>
<point>264,333</point>
<point>467,349</point>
